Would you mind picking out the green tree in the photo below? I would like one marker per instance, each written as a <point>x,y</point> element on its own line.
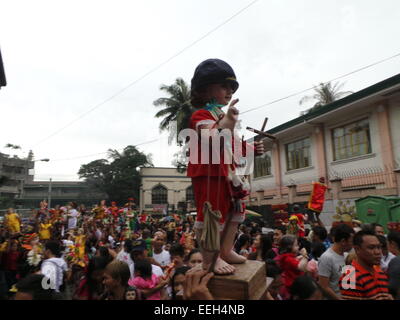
<point>118,177</point>
<point>325,93</point>
<point>180,161</point>
<point>177,107</point>
<point>12,147</point>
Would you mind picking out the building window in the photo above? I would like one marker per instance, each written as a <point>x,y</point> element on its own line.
<point>159,195</point>
<point>351,140</point>
<point>298,154</point>
<point>189,194</point>
<point>262,165</point>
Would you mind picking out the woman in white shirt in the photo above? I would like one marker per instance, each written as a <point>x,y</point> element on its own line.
<point>73,215</point>
<point>124,254</point>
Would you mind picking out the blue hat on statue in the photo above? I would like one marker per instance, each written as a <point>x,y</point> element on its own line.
<point>213,71</point>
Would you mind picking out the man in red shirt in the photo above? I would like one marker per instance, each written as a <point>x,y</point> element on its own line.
<point>365,280</point>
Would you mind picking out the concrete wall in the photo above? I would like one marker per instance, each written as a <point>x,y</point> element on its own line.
<point>265,182</point>
<point>303,174</point>
<point>366,161</point>
<point>175,182</point>
<point>394,117</point>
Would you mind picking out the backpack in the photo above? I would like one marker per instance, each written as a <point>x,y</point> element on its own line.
<point>63,284</point>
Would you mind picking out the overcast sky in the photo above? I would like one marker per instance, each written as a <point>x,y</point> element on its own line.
<point>62,58</point>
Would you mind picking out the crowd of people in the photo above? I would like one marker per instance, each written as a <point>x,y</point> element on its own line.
<point>116,253</point>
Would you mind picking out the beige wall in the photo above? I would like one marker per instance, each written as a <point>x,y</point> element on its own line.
<point>265,182</point>
<point>394,117</point>
<point>303,177</point>
<point>299,175</point>
<point>367,161</point>
<point>175,182</point>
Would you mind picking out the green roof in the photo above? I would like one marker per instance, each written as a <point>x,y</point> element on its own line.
<point>385,84</point>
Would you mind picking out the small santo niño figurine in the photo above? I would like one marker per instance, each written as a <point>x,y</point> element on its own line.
<point>292,226</point>
<point>218,190</point>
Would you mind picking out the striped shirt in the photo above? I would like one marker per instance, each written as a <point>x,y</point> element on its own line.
<point>367,285</point>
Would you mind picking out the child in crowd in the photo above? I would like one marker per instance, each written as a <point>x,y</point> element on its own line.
<point>177,253</point>
<point>242,245</point>
<point>145,279</point>
<point>132,293</point>
<point>116,276</point>
<point>177,282</point>
<point>292,262</point>
<point>194,258</point>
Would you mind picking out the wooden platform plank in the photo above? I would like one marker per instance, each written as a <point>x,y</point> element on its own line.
<point>247,283</point>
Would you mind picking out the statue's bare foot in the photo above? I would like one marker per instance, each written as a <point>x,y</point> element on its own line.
<point>220,268</point>
<point>233,257</point>
<point>223,268</point>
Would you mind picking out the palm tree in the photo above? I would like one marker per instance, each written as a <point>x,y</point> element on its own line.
<point>13,147</point>
<point>177,107</point>
<point>325,93</point>
<point>130,158</point>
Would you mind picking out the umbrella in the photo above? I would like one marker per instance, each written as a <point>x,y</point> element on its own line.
<point>252,213</point>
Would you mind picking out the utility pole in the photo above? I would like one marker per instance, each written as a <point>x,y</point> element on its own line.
<point>49,202</point>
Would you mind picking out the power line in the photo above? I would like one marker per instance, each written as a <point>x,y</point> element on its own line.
<point>147,73</point>
<point>266,104</point>
<point>334,79</point>
<point>95,154</point>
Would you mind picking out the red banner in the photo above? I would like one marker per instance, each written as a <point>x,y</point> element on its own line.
<point>317,198</point>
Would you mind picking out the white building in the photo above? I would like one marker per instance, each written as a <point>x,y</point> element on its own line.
<point>165,189</point>
<point>354,140</point>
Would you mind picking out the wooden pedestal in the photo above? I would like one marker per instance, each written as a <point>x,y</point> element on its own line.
<point>247,283</point>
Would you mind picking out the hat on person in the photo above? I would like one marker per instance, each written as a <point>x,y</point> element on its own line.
<point>293,218</point>
<point>138,245</point>
<point>296,207</point>
<point>213,71</point>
